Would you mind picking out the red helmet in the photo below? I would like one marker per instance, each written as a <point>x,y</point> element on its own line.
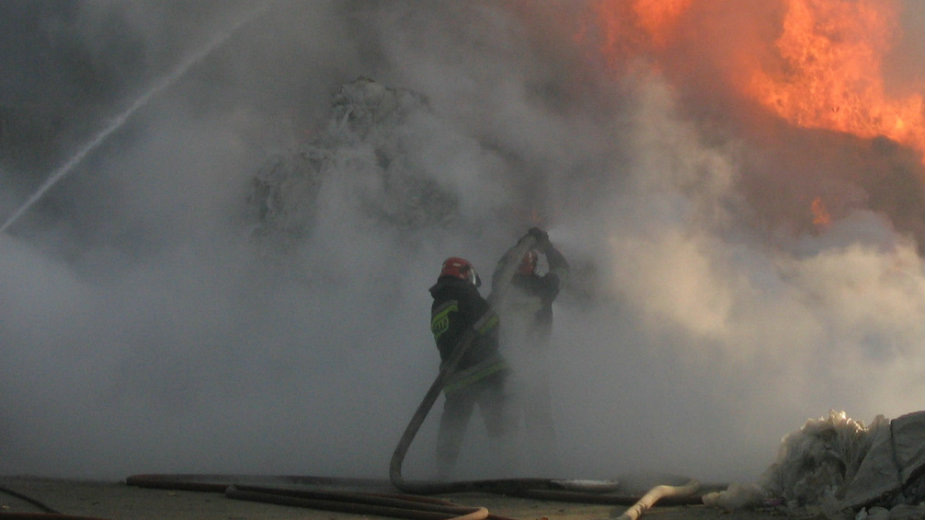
<point>528,263</point>
<point>462,269</point>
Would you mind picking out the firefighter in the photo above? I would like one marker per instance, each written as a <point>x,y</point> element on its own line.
<point>481,375</point>
<point>527,316</point>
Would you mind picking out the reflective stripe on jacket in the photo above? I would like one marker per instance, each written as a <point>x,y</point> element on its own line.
<point>457,308</point>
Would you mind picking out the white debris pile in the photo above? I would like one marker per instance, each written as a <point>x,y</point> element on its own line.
<point>838,467</point>
<point>369,157</point>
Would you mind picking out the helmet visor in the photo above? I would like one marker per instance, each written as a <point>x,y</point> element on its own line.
<point>474,278</point>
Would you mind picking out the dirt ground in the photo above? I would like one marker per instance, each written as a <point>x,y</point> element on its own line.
<point>119,501</point>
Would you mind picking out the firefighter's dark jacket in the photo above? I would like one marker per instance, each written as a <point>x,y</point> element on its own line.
<point>457,307</point>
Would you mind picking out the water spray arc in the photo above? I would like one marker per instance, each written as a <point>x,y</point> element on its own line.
<point>122,118</point>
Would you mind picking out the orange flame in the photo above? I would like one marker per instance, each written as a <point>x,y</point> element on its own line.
<point>827,60</point>
<point>658,17</point>
<point>831,78</point>
<point>628,26</point>
<point>821,216</point>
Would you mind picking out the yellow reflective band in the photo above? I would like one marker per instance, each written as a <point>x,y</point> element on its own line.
<point>440,322</point>
<point>470,378</point>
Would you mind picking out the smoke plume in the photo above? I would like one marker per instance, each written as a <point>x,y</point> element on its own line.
<point>236,279</point>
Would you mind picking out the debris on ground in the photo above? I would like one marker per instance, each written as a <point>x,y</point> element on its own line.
<point>839,468</point>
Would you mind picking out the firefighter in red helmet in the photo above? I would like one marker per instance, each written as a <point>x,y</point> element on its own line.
<point>480,376</point>
<point>527,316</point>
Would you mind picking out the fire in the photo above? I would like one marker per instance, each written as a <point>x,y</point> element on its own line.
<point>627,26</point>
<point>821,216</point>
<point>658,17</point>
<point>831,52</point>
<point>821,68</point>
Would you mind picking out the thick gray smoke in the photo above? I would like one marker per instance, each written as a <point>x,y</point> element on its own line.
<point>236,281</point>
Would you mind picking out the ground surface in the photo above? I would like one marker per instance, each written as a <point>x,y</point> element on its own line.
<point>118,501</point>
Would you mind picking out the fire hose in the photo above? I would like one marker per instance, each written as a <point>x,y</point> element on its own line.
<point>47,512</point>
<point>412,505</point>
<point>657,493</point>
<point>396,506</point>
<point>549,488</point>
<point>446,370</point>
<point>337,494</point>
